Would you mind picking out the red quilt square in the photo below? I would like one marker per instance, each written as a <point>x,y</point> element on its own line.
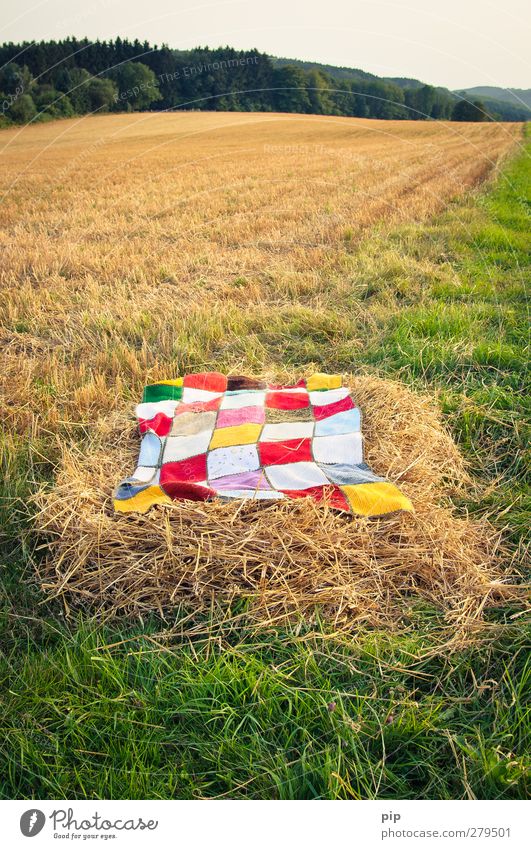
<point>322,412</point>
<point>159,424</point>
<point>192,469</point>
<point>213,381</point>
<point>288,451</point>
<point>189,491</point>
<point>332,494</point>
<point>287,400</point>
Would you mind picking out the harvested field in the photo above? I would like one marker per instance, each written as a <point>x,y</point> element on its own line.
<point>136,244</point>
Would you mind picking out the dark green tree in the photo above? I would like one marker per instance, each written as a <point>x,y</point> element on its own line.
<point>15,80</point>
<point>290,92</point>
<point>52,103</point>
<point>102,94</point>
<point>22,110</point>
<point>137,85</point>
<point>464,110</point>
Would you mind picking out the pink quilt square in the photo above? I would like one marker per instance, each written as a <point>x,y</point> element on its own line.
<point>239,416</point>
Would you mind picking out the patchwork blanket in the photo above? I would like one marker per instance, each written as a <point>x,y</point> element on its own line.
<point>207,435</point>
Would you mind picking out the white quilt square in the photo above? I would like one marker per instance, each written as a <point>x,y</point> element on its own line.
<point>329,396</point>
<point>192,395</point>
<point>245,398</point>
<point>295,476</point>
<point>150,409</point>
<point>145,474</point>
<point>247,494</point>
<point>286,430</point>
<point>232,460</point>
<point>342,448</point>
<point>182,447</point>
<point>348,421</point>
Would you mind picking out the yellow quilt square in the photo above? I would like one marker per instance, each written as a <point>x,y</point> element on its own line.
<point>376,499</point>
<point>320,381</point>
<point>238,435</point>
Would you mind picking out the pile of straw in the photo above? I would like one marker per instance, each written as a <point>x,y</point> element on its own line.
<point>286,558</point>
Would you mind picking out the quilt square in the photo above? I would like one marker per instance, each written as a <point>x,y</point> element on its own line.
<point>150,409</point>
<point>346,473</point>
<point>150,450</point>
<point>240,416</point>
<point>287,400</point>
<point>330,396</point>
<point>376,499</point>
<point>276,416</point>
<point>159,424</point>
<point>287,430</point>
<point>243,434</point>
<point>245,480</point>
<point>332,494</point>
<point>285,451</point>
<point>143,474</point>
<point>346,448</point>
<point>164,390</point>
<point>210,381</point>
<point>182,447</point>
<point>242,398</point>
<point>237,382</point>
<point>191,394</point>
<point>232,461</point>
<point>191,470</point>
<point>324,411</point>
<point>321,381</point>
<point>295,476</point>
<point>206,436</point>
<point>345,422</point>
<point>208,406</point>
<point>192,423</point>
<point>255,495</point>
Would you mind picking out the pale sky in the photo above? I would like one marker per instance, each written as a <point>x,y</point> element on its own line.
<point>453,43</point>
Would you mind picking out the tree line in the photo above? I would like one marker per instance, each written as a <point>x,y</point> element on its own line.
<point>54,79</point>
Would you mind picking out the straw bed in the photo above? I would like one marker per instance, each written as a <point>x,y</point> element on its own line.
<point>287,558</point>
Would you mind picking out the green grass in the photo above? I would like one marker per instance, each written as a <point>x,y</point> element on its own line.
<point>99,711</point>
<point>270,718</point>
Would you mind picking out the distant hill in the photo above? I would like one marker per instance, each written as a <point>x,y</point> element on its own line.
<point>499,109</point>
<point>503,104</point>
<point>515,96</point>
<point>340,72</point>
<point>337,71</point>
<point>405,82</point>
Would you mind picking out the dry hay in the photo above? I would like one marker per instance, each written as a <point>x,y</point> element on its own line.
<point>286,558</point>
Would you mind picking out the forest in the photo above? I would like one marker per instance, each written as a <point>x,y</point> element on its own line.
<point>40,81</point>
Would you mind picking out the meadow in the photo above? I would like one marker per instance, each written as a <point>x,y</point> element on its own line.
<point>137,247</point>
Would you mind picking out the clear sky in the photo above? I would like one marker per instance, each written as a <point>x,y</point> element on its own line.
<point>454,43</point>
